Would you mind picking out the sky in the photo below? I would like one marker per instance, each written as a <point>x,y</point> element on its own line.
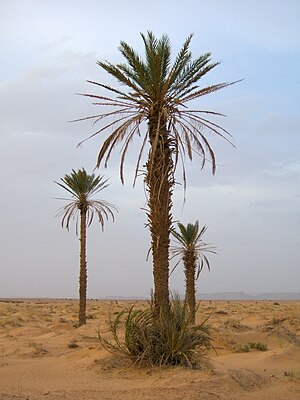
<point>49,49</point>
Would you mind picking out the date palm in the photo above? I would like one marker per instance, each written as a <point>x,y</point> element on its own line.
<point>82,208</point>
<point>191,249</point>
<point>153,106</point>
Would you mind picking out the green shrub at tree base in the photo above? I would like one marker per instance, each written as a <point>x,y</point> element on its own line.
<point>166,339</point>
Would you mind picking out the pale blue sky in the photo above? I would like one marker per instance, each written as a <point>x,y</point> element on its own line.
<point>251,207</point>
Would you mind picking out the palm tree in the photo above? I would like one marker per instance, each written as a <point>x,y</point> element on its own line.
<point>82,208</point>
<point>154,107</point>
<point>191,249</point>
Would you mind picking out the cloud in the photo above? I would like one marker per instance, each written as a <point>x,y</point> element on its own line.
<point>58,43</point>
<point>42,101</point>
<point>282,171</point>
<point>274,203</point>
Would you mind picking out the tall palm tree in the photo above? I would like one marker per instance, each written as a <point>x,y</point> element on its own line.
<point>82,208</point>
<point>191,249</point>
<point>154,106</point>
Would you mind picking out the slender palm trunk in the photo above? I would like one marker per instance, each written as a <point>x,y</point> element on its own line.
<point>83,269</point>
<point>160,182</point>
<point>189,260</point>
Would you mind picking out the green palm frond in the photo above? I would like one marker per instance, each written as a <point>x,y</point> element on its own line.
<point>154,83</point>
<point>83,187</point>
<point>190,240</point>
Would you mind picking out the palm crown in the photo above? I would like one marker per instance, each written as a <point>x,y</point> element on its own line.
<point>82,187</point>
<point>190,240</point>
<point>158,89</point>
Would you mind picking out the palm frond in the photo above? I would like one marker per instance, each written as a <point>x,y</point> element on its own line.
<point>153,82</point>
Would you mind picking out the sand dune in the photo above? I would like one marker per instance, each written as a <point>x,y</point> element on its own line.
<point>44,356</point>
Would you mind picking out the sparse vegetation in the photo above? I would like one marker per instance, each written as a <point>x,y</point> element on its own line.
<point>276,321</point>
<point>289,374</point>
<point>11,321</point>
<point>258,346</point>
<point>38,349</point>
<point>292,374</point>
<point>277,328</point>
<point>235,325</point>
<point>73,344</point>
<point>245,348</point>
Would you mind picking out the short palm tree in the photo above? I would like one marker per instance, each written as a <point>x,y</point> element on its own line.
<point>82,208</point>
<point>153,106</point>
<point>191,249</point>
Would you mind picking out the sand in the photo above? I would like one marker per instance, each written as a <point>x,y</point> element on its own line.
<point>44,356</point>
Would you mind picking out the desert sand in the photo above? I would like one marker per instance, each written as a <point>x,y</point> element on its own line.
<point>44,356</point>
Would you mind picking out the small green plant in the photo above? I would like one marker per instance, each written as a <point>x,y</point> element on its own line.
<point>73,344</point>
<point>258,346</point>
<point>156,340</point>
<point>245,348</point>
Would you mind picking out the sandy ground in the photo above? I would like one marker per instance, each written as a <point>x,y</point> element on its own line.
<point>44,356</point>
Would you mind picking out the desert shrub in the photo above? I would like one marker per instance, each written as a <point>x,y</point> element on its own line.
<point>73,344</point>
<point>12,321</point>
<point>292,374</point>
<point>276,321</point>
<point>221,312</point>
<point>166,339</point>
<point>38,349</point>
<point>277,328</point>
<point>258,346</point>
<point>245,348</point>
<point>236,326</point>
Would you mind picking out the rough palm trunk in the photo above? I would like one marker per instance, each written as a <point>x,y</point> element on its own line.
<point>83,269</point>
<point>160,182</point>
<point>190,283</point>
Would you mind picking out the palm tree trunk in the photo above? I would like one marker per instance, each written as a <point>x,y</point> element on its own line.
<point>83,269</point>
<point>160,182</point>
<point>189,260</point>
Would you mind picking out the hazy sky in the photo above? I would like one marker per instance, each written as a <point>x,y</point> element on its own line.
<point>251,207</point>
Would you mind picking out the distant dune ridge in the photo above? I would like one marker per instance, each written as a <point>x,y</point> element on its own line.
<point>246,296</point>
<point>223,296</point>
<point>227,296</point>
